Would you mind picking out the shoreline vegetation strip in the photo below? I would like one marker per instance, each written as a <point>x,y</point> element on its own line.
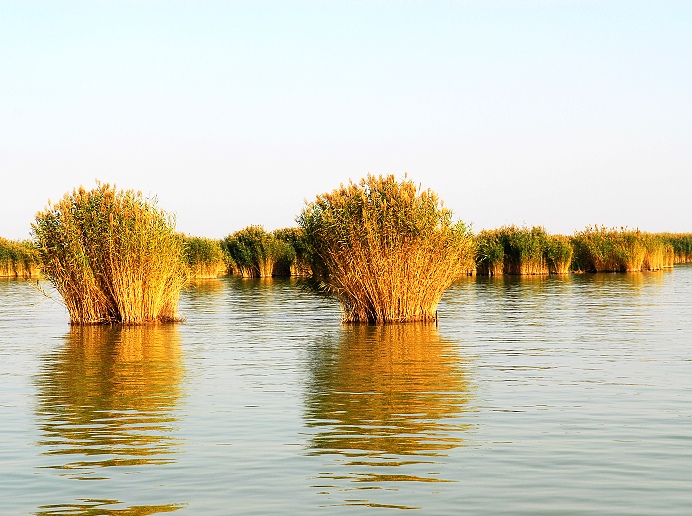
<point>385,248</point>
<point>595,249</point>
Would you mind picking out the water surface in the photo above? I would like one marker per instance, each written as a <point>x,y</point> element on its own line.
<point>533,395</point>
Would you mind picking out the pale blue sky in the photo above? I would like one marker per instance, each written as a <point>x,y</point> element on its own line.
<point>551,113</point>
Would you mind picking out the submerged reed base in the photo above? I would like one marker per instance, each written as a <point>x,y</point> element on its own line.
<point>112,255</point>
<point>386,249</point>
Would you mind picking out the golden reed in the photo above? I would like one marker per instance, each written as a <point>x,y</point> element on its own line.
<point>113,256</point>
<point>386,249</point>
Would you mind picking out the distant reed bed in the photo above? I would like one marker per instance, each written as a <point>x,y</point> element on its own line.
<point>257,253</point>
<point>521,250</point>
<point>18,259</point>
<point>113,256</point>
<point>385,248</point>
<point>529,251</point>
<point>205,257</point>
<point>299,256</point>
<point>681,244</point>
<point>601,249</point>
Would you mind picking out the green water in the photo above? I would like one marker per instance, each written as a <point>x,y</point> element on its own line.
<point>533,395</point>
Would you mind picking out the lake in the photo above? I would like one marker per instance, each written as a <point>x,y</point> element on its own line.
<point>533,395</point>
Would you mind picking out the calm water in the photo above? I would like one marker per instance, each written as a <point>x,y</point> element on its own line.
<point>534,395</point>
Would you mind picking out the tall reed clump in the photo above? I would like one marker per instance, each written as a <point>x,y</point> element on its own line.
<point>524,250</point>
<point>205,257</point>
<point>257,253</point>
<point>386,249</point>
<point>18,259</point>
<point>681,244</point>
<point>558,254</point>
<point>490,253</point>
<point>659,254</point>
<point>113,256</point>
<point>300,264</point>
<point>599,249</point>
<point>512,250</point>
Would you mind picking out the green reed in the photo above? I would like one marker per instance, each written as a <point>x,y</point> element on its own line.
<point>601,249</point>
<point>517,250</point>
<point>113,256</point>
<point>257,253</point>
<point>300,264</point>
<point>558,254</point>
<point>18,259</point>
<point>205,257</point>
<point>490,253</point>
<point>681,244</point>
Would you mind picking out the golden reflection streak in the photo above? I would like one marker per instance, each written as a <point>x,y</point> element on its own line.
<point>388,397</point>
<point>107,397</point>
<point>96,508</point>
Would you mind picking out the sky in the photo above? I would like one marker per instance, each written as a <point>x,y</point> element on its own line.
<point>558,114</point>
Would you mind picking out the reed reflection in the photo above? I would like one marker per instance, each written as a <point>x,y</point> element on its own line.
<point>106,398</point>
<point>385,400</point>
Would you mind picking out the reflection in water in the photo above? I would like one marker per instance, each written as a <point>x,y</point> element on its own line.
<point>107,399</point>
<point>386,403</point>
<point>99,508</point>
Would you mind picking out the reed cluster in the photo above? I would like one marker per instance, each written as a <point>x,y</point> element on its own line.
<point>18,259</point>
<point>386,249</point>
<point>681,244</point>
<point>520,250</point>
<point>257,253</point>
<point>526,251</point>
<point>558,254</point>
<point>205,257</point>
<point>490,253</point>
<point>601,249</point>
<point>300,265</point>
<point>113,256</point>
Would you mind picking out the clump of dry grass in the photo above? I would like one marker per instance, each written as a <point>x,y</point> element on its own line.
<point>205,257</point>
<point>113,256</point>
<point>18,259</point>
<point>386,249</point>
<point>257,253</point>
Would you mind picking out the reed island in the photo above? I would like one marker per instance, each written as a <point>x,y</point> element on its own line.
<point>386,249</point>
<point>113,256</point>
